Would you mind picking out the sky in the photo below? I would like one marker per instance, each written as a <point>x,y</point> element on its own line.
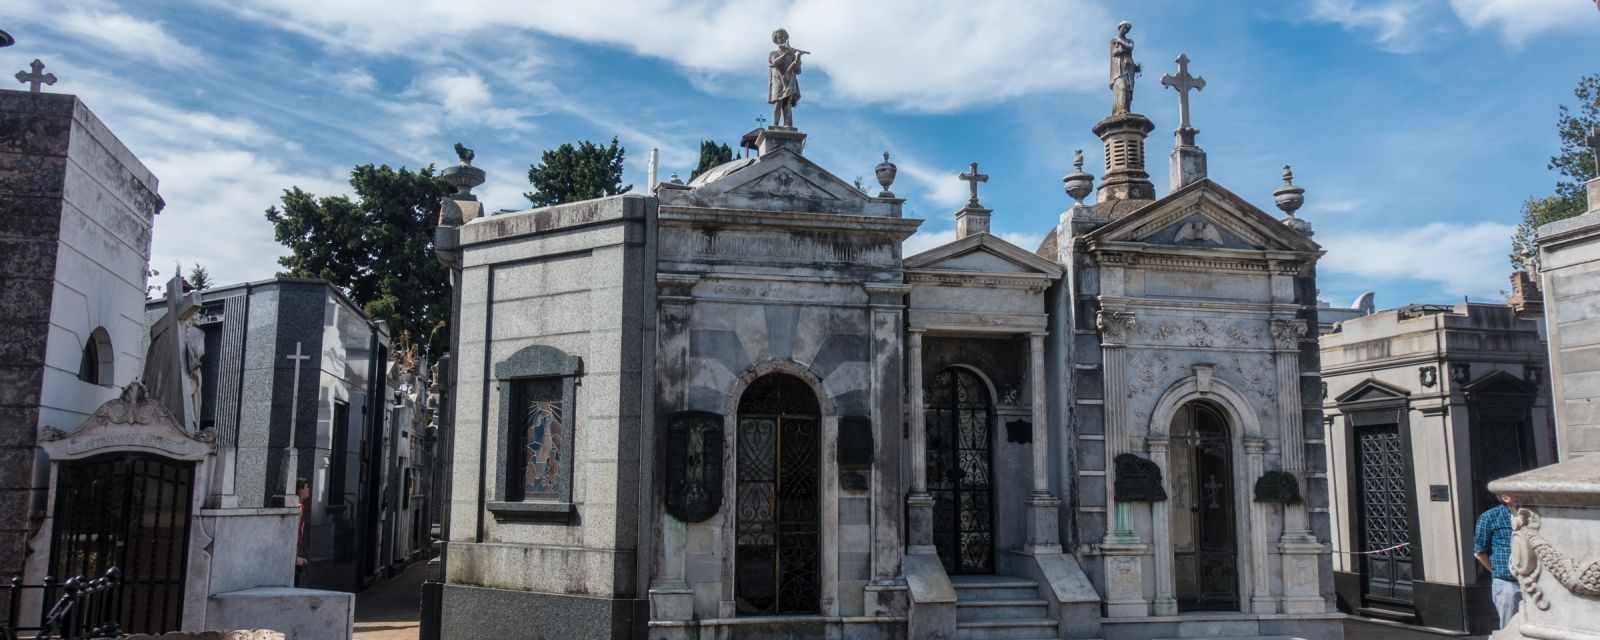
<point>1417,127</point>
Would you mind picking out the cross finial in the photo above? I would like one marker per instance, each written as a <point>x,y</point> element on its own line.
<point>973,178</point>
<point>1594,144</point>
<point>38,77</point>
<point>1183,82</point>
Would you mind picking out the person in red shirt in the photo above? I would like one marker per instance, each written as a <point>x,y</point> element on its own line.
<point>302,491</point>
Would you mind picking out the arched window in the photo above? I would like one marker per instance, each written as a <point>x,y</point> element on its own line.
<point>96,365</point>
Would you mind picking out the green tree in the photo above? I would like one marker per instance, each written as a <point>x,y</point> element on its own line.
<point>1574,164</point>
<point>570,174</point>
<point>711,155</point>
<point>199,278</point>
<point>377,248</point>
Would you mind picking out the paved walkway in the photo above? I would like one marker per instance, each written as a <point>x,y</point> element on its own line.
<point>390,610</point>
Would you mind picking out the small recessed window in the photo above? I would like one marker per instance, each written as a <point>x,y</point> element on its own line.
<point>96,365</point>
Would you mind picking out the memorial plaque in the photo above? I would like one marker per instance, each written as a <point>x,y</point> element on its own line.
<point>1280,487</point>
<point>694,465</point>
<point>855,441</point>
<point>1138,480</point>
<point>1019,432</point>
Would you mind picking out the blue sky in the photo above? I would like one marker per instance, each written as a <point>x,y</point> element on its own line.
<point>1416,126</point>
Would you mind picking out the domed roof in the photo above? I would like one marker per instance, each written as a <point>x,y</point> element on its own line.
<point>716,173</point>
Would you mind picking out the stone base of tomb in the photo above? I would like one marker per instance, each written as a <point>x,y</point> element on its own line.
<point>484,612</point>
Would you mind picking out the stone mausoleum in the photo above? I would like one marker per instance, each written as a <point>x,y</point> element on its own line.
<point>733,408</point>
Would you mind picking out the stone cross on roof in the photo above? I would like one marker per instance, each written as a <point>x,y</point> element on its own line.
<point>1594,142</point>
<point>38,77</point>
<point>1183,82</point>
<point>973,178</point>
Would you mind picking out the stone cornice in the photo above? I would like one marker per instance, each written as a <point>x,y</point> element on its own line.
<point>1172,258</point>
<point>976,279</point>
<point>767,220</point>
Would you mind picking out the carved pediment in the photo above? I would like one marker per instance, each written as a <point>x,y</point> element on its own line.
<point>1203,215</point>
<point>133,422</point>
<point>784,183</point>
<point>983,253</point>
<point>779,181</point>
<point>1373,390</point>
<point>1500,382</point>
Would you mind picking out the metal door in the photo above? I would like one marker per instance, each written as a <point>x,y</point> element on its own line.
<point>1214,561</point>
<point>1383,514</point>
<point>960,471</point>
<point>129,511</point>
<point>777,527</point>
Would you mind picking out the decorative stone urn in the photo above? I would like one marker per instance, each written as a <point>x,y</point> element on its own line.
<point>464,177</point>
<point>1078,184</point>
<point>886,173</point>
<point>1289,198</point>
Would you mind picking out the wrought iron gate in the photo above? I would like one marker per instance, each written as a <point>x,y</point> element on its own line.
<point>129,511</point>
<point>778,525</point>
<point>960,471</point>
<point>1383,509</point>
<point>1214,562</point>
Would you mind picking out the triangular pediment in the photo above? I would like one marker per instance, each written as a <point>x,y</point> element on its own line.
<point>983,253</point>
<point>1203,215</point>
<point>782,181</point>
<point>1500,382</point>
<point>1372,390</point>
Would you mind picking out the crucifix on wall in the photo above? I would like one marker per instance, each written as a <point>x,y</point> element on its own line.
<point>290,460</point>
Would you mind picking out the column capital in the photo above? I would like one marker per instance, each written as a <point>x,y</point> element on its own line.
<point>1255,445</point>
<point>1157,444</point>
<point>1115,326</point>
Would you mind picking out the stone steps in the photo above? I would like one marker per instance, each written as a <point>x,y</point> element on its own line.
<point>1001,608</point>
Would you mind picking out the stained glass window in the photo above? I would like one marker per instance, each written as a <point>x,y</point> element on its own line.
<point>543,438</point>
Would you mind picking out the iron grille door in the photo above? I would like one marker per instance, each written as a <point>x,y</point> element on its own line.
<point>960,472</point>
<point>129,511</point>
<point>1383,510</point>
<point>777,526</point>
<point>1210,581</point>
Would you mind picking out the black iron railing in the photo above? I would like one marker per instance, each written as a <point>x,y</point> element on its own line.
<point>74,608</point>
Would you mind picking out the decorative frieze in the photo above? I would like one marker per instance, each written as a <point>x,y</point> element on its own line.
<point>1532,555</point>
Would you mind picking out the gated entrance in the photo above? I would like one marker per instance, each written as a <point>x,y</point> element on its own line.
<point>1206,557</point>
<point>777,527</point>
<point>131,511</point>
<point>960,471</point>
<point>1383,514</point>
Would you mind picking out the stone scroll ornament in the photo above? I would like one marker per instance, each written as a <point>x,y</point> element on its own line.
<point>1138,480</point>
<point>1279,487</point>
<point>694,465</point>
<point>1532,555</point>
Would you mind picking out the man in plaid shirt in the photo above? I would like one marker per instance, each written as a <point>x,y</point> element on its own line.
<point>1491,545</point>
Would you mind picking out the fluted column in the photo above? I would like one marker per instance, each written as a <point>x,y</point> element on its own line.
<point>1115,327</point>
<point>1286,357</point>
<point>1261,600</point>
<point>1044,527</point>
<point>920,511</point>
<point>1161,521</point>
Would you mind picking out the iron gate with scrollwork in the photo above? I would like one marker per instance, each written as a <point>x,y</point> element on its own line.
<point>1212,564</point>
<point>1383,511</point>
<point>960,471</point>
<point>129,511</point>
<point>777,529</point>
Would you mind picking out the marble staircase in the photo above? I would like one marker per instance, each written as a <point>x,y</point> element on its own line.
<point>1001,607</point>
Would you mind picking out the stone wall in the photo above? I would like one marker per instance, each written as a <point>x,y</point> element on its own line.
<point>575,283</point>
<point>76,210</point>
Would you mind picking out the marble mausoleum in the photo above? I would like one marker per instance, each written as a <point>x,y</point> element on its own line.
<point>733,408</point>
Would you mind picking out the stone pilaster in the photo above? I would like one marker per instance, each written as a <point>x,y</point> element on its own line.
<point>888,415</point>
<point>1044,527</point>
<point>1166,604</point>
<point>671,597</point>
<point>1261,599</point>
<point>1115,329</point>
<point>919,503</point>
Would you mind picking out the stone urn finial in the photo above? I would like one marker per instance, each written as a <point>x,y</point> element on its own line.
<point>464,177</point>
<point>1289,198</point>
<point>675,179</point>
<point>1078,184</point>
<point>886,172</point>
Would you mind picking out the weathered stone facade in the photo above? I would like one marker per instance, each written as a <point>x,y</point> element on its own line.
<point>732,408</point>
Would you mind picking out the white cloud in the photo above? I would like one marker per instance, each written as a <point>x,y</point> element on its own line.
<point>958,53</point>
<point>353,80</point>
<point>1517,20</point>
<point>1461,258</point>
<point>939,187</point>
<point>1391,22</point>
<point>107,26</point>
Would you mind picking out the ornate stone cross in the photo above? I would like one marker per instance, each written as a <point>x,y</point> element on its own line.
<point>38,77</point>
<point>1183,82</point>
<point>289,458</point>
<point>973,178</point>
<point>1594,142</point>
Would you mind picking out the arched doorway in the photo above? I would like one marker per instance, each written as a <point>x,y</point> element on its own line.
<point>777,523</point>
<point>1204,535</point>
<point>960,462</point>
<point>130,511</point>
